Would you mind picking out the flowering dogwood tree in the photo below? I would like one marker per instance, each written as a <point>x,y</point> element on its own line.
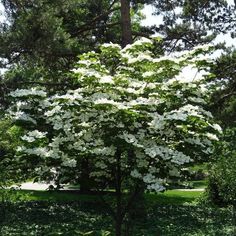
<point>137,119</point>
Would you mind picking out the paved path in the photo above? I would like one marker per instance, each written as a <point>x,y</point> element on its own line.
<point>191,189</point>
<point>33,186</point>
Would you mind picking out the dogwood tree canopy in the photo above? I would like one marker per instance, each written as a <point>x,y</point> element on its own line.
<point>132,112</point>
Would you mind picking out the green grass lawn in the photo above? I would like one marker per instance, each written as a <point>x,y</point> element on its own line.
<point>168,197</point>
<point>174,197</point>
<point>69,213</point>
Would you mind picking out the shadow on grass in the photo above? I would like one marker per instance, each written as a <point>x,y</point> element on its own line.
<point>199,183</point>
<point>186,220</point>
<point>71,214</point>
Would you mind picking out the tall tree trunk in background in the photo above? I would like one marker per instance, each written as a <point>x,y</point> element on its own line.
<point>126,28</point>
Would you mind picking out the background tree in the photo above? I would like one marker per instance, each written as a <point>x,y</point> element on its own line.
<point>51,34</point>
<point>223,106</point>
<point>221,187</point>
<point>54,33</point>
<point>187,23</point>
<point>223,101</point>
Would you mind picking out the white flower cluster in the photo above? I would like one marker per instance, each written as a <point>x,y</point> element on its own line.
<point>20,115</point>
<point>167,154</point>
<point>70,163</point>
<point>104,151</point>
<point>106,80</point>
<point>37,151</point>
<point>217,128</point>
<point>33,135</point>
<point>135,110</point>
<point>135,174</point>
<point>111,45</point>
<point>129,138</point>
<point>28,92</point>
<point>212,136</point>
<point>195,141</point>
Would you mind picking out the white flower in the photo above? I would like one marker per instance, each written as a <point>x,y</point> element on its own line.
<point>101,165</point>
<point>212,136</point>
<point>28,139</point>
<point>107,151</point>
<point>156,187</point>
<point>217,128</point>
<point>84,124</point>
<point>139,58</point>
<point>69,163</point>
<point>112,45</point>
<point>38,151</point>
<point>208,150</point>
<point>37,134</point>
<point>141,41</point>
<point>106,80</point>
<point>178,115</point>
<point>20,115</point>
<point>148,74</point>
<point>195,141</point>
<point>158,122</point>
<point>149,178</point>
<point>129,138</point>
<point>28,92</point>
<point>56,109</point>
<point>179,158</point>
<point>105,101</point>
<point>58,126</point>
<point>22,105</point>
<point>71,97</point>
<point>88,72</point>
<point>131,90</point>
<point>20,149</point>
<point>135,174</point>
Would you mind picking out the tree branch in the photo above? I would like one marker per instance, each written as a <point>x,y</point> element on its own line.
<point>38,83</point>
<point>226,96</point>
<point>91,27</point>
<point>101,16</point>
<point>131,200</point>
<point>141,34</point>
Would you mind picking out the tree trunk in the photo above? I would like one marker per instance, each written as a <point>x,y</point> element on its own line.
<point>118,227</point>
<point>119,217</point>
<point>126,28</point>
<point>84,179</point>
<point>234,217</point>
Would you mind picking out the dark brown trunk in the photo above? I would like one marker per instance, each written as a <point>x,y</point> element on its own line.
<point>119,217</point>
<point>234,217</point>
<point>126,28</point>
<point>118,227</point>
<point>84,179</point>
